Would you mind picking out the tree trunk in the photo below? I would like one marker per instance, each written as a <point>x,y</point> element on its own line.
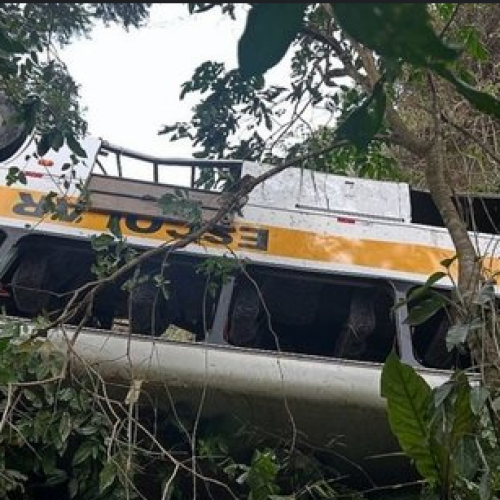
<point>468,263</point>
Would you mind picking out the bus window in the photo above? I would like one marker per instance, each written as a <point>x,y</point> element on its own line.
<point>312,314</point>
<point>47,271</point>
<point>429,340</point>
<point>188,301</point>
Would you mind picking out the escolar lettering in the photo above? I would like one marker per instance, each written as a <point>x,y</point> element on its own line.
<point>253,238</point>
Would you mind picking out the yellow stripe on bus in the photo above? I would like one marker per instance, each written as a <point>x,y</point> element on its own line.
<point>378,254</point>
<point>269,240</point>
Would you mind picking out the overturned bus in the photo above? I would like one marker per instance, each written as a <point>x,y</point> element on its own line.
<point>282,315</point>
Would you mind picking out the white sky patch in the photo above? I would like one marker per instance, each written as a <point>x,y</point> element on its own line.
<point>130,82</point>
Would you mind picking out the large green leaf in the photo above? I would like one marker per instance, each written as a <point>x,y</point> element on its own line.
<point>107,476</point>
<point>269,31</point>
<point>365,121</point>
<point>462,419</point>
<point>83,452</point>
<point>453,422</point>
<point>395,30</point>
<point>408,400</point>
<point>466,458</point>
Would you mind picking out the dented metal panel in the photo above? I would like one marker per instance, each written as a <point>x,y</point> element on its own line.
<point>321,191</point>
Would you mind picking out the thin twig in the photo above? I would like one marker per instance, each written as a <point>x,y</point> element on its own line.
<point>471,136</point>
<point>230,201</point>
<point>8,403</point>
<point>450,20</point>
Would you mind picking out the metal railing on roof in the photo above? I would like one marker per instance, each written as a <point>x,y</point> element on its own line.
<point>157,162</point>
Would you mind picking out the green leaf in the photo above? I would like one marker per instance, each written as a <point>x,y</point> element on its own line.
<point>270,29</point>
<point>84,451</point>
<point>114,227</point>
<point>107,476</point>
<point>448,262</point>
<point>56,476</point>
<point>9,44</point>
<point>395,30</point>
<point>261,476</point>
<point>445,10</point>
<point>65,394</point>
<point>485,295</point>
<point>442,393</point>
<point>29,109</point>
<point>101,242</point>
<point>478,397</point>
<point>65,426</point>
<point>425,309</point>
<point>424,289</point>
<point>473,45</point>
<point>457,334</point>
<point>74,145</point>
<point>88,430</point>
<point>7,375</point>
<point>482,101</point>
<point>22,178</point>
<point>4,344</point>
<point>365,121</point>
<point>452,423</point>
<point>463,420</point>
<point>466,457</point>
<point>408,399</point>
<point>58,140</point>
<point>179,205</point>
<point>48,461</point>
<point>73,487</point>
<point>44,143</point>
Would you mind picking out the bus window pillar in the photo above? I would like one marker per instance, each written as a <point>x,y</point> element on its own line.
<point>216,335</point>
<point>8,248</point>
<point>403,329</point>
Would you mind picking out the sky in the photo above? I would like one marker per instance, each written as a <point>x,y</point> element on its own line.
<point>130,81</point>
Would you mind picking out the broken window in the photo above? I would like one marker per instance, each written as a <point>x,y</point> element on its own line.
<point>312,314</point>
<point>47,271</point>
<point>174,293</point>
<point>429,336</point>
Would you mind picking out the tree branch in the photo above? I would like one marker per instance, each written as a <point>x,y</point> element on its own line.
<point>340,52</point>
<point>450,20</point>
<point>409,140</point>
<point>471,136</point>
<point>230,202</point>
